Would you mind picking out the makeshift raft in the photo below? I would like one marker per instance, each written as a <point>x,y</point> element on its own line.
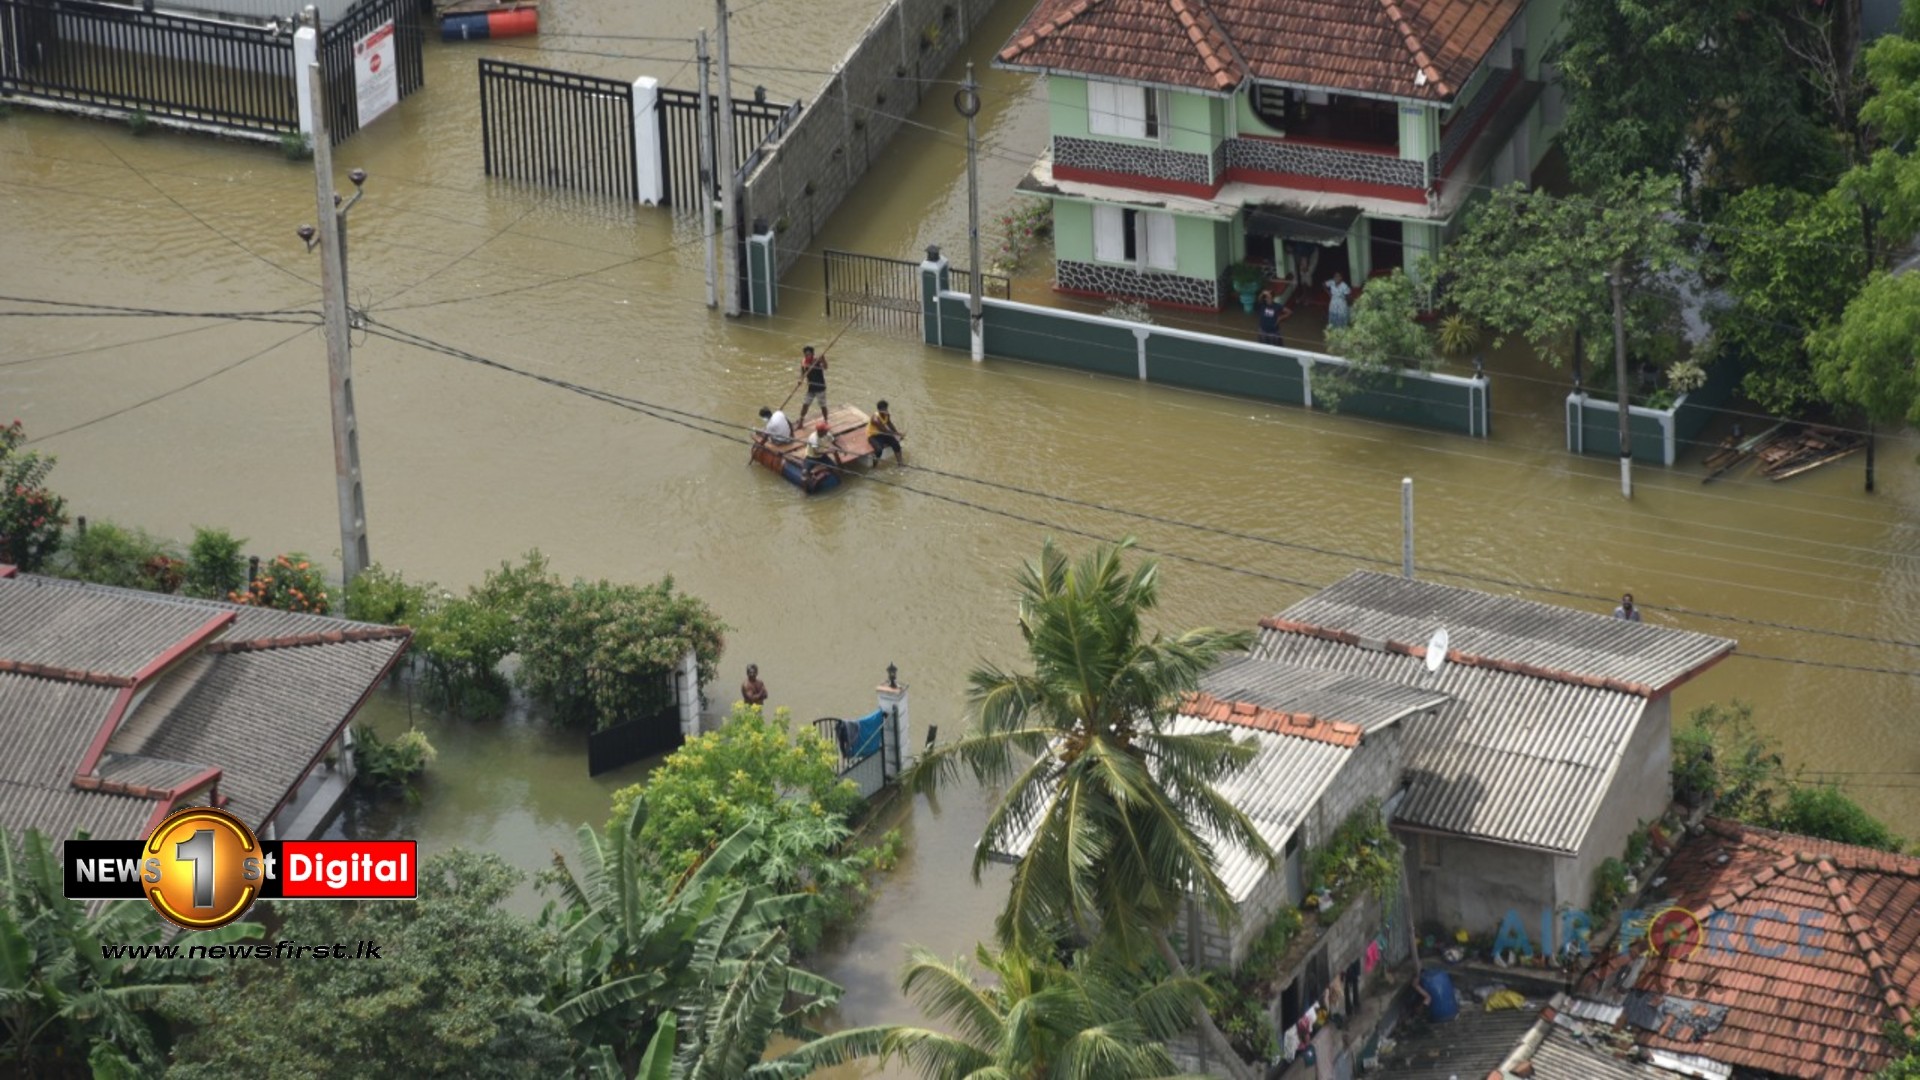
<point>849,426</point>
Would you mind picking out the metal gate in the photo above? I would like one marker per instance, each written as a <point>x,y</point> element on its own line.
<point>886,292</point>
<point>558,128</point>
<point>656,731</point>
<point>866,767</point>
<point>755,123</point>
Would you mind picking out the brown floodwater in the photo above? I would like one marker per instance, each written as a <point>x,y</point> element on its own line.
<point>466,466</point>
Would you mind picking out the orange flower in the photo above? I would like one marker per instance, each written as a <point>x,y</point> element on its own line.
<point>303,566</point>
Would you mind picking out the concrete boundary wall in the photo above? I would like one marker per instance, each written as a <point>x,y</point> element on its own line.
<point>804,176</point>
<point>1196,361</point>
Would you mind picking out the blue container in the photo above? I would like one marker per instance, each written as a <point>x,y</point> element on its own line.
<point>464,28</point>
<point>1439,986</point>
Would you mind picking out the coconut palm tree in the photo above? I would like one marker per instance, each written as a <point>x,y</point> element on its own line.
<point>1108,812</point>
<point>1038,1020</point>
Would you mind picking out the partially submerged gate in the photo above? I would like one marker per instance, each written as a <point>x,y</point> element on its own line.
<point>886,292</point>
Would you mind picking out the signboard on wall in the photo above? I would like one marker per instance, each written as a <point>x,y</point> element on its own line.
<point>376,73</point>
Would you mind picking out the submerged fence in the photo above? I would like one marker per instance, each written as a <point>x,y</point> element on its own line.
<point>1197,361</point>
<point>236,77</point>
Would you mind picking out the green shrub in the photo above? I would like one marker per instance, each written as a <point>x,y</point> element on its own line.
<point>383,596</point>
<point>31,517</point>
<point>1609,888</point>
<point>1720,755</point>
<point>378,763</point>
<point>601,654</point>
<point>109,554</point>
<point>1361,853</point>
<point>296,146</point>
<point>288,583</point>
<point>1823,810</point>
<point>462,642</point>
<point>216,569</point>
<point>139,122</point>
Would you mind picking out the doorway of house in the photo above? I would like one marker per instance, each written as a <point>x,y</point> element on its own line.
<point>1387,247</point>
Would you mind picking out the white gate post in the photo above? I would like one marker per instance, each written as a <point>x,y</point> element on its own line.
<point>306,50</point>
<point>646,141</point>
<point>691,694</point>
<point>893,702</point>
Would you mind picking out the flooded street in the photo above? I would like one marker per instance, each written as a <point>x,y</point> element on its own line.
<point>466,466</point>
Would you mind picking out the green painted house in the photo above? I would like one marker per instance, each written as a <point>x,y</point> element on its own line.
<point>1306,136</point>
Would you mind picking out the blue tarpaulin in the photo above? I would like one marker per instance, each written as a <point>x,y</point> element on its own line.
<point>861,737</point>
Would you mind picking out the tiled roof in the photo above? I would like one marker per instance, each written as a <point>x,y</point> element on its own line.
<point>1416,49</point>
<point>1503,632</point>
<point>1816,1009</point>
<point>250,709</point>
<point>1510,757</point>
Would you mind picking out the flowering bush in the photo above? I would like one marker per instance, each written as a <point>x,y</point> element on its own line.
<point>31,517</point>
<point>289,583</point>
<point>1022,230</point>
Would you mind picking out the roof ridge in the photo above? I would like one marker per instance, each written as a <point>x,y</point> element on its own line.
<point>329,637</point>
<point>1465,659</point>
<point>1416,47</point>
<point>1873,950</point>
<point>60,674</point>
<point>1245,714</point>
<point>1217,66</point>
<point>1854,857</point>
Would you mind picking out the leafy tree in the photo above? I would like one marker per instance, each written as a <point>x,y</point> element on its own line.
<point>1792,262</point>
<point>1535,265</point>
<point>1037,1019</point>
<point>215,566</point>
<point>1869,357</point>
<point>603,654</point>
<point>462,640</point>
<point>753,772</point>
<point>384,596</point>
<point>1888,182</point>
<point>1690,86</point>
<point>452,994</point>
<point>109,554</point>
<point>1823,810</point>
<point>1110,812</point>
<point>31,517</point>
<point>708,949</point>
<point>60,998</point>
<point>1721,755</point>
<point>1384,337</point>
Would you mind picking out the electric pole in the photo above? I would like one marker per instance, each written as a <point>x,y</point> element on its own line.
<point>1620,380</point>
<point>723,176</point>
<point>333,291</point>
<point>705,169</point>
<point>967,101</point>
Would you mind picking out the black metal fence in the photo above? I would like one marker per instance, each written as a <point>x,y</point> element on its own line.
<point>755,123</point>
<point>656,732</point>
<point>558,128</point>
<point>114,57</point>
<point>336,57</point>
<point>886,292</point>
<point>224,74</point>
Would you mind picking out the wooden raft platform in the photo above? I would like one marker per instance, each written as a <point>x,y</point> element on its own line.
<point>849,426</point>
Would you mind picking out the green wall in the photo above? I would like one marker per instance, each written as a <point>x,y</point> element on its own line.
<point>1196,123</point>
<point>1199,243</point>
<point>1250,122</point>
<point>1223,368</point>
<point>1072,230</point>
<point>1544,20</point>
<point>1419,131</point>
<point>1600,433</point>
<point>1447,406</point>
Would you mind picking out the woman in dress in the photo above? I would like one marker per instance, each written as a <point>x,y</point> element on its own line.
<point>1338,314</point>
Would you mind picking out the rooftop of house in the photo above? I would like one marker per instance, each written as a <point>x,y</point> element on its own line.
<point>1305,725</point>
<point>119,703</point>
<point>1544,699</point>
<point>1843,923</point>
<point>1421,50</point>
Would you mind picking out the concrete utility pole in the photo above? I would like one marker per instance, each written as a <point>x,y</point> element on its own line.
<point>967,101</point>
<point>705,169</point>
<point>1620,380</point>
<point>723,176</point>
<point>1406,527</point>
<point>333,290</point>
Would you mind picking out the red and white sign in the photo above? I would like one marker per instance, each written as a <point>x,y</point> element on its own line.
<point>348,869</point>
<point>375,75</point>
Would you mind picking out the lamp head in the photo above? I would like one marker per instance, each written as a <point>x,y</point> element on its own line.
<point>358,176</point>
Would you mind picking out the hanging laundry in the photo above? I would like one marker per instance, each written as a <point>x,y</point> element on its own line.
<point>1372,958</point>
<point>1289,1044</point>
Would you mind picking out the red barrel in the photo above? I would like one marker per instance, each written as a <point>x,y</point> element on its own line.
<point>521,23</point>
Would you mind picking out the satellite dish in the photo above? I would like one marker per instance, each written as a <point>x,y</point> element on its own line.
<point>1437,650</point>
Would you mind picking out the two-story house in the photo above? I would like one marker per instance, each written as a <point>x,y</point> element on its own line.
<point>1188,135</point>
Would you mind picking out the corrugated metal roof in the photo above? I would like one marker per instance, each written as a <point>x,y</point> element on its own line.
<point>1468,1047</point>
<point>1510,757</point>
<point>1276,789</point>
<point>1563,1056</point>
<point>45,728</point>
<point>1330,695</point>
<point>1582,644</point>
<point>112,631</point>
<point>134,770</point>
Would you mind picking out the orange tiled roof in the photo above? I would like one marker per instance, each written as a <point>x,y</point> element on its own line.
<point>1813,1011</point>
<point>1298,725</point>
<point>1366,46</point>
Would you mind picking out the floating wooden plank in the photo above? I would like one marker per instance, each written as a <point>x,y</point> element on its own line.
<point>1817,462</point>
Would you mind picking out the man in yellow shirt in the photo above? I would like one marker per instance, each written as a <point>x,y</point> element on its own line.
<point>881,434</point>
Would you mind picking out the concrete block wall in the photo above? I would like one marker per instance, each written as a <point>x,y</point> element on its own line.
<point>840,134</point>
<point>1372,771</point>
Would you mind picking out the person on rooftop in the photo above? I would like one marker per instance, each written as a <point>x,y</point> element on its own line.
<point>1626,611</point>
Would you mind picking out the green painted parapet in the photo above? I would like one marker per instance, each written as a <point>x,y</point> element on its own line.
<point>1203,362</point>
<point>1447,402</point>
<point>1593,427</point>
<point>934,280</point>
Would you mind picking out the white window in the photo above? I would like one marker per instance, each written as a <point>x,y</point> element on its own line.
<point>1130,112</point>
<point>1142,238</point>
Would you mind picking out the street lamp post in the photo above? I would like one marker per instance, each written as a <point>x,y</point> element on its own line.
<point>967,101</point>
